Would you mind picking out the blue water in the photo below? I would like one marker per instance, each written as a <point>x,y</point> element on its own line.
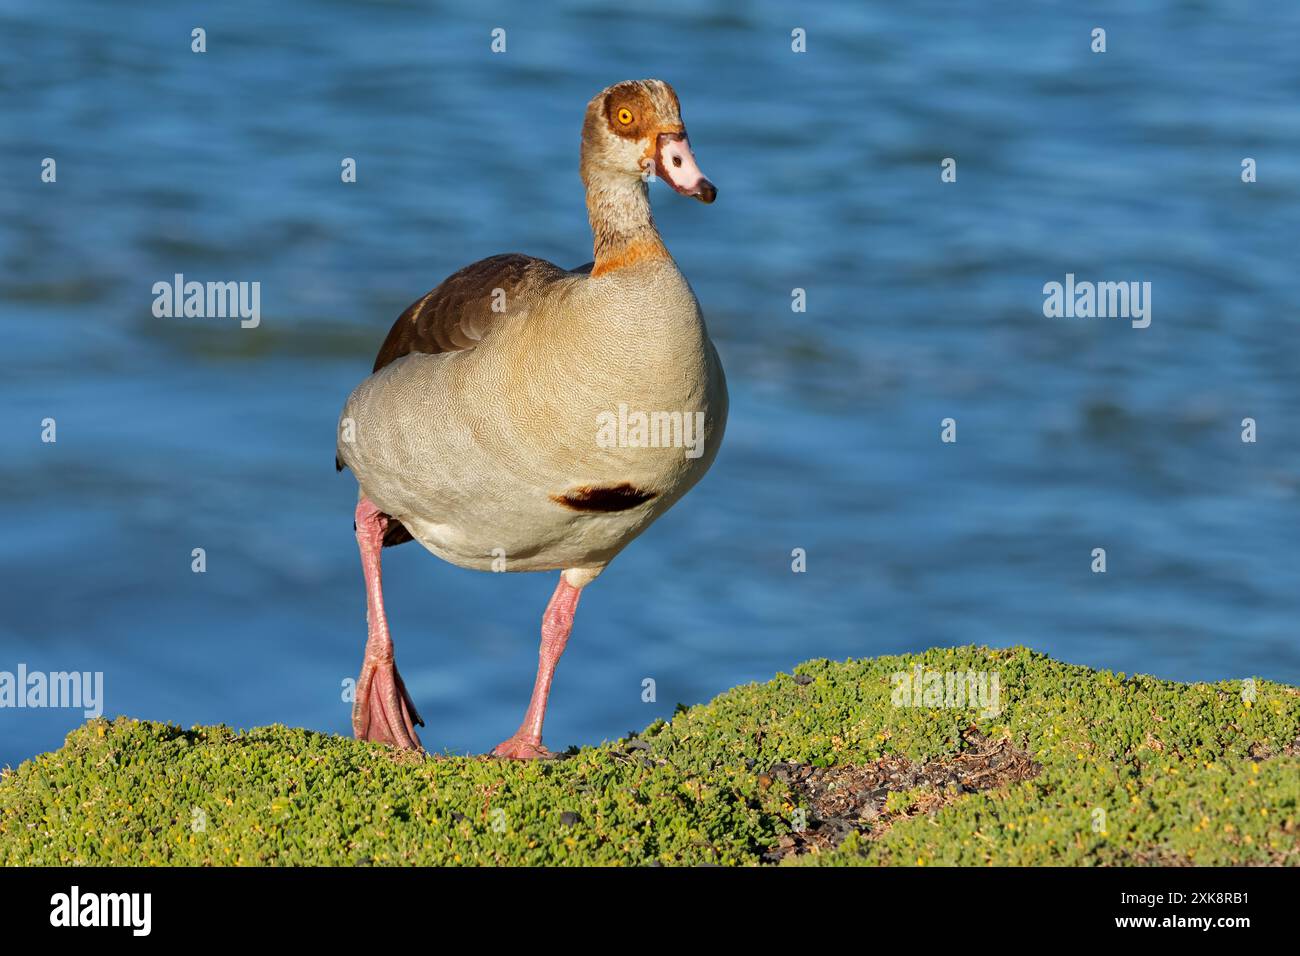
<point>924,302</point>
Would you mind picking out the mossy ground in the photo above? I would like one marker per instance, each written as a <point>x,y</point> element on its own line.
<point>1134,770</point>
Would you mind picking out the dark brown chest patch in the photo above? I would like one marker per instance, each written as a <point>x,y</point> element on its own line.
<point>604,498</point>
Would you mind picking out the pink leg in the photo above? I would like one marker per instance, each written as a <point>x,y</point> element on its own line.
<point>382,710</point>
<point>557,622</point>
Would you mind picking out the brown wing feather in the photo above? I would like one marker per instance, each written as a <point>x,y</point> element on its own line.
<point>460,311</point>
<point>395,533</point>
<point>457,314</point>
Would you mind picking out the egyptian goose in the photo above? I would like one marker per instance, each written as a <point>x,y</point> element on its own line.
<point>523,417</point>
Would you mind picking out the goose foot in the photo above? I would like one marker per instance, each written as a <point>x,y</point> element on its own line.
<point>520,747</point>
<point>557,622</point>
<point>383,711</point>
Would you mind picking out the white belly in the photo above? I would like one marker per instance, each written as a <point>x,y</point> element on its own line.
<point>471,456</point>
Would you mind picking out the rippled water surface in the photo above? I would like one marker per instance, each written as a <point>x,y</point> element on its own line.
<point>924,302</point>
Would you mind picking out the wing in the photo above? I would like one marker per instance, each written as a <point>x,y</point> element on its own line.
<point>459,312</point>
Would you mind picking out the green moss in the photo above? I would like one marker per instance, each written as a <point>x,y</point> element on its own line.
<point>1135,770</point>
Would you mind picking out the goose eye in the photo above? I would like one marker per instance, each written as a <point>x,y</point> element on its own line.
<point>625,116</point>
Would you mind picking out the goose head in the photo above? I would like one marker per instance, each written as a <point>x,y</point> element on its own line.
<point>634,129</point>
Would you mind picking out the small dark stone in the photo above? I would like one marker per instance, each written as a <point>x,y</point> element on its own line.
<point>568,818</point>
<point>802,679</point>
